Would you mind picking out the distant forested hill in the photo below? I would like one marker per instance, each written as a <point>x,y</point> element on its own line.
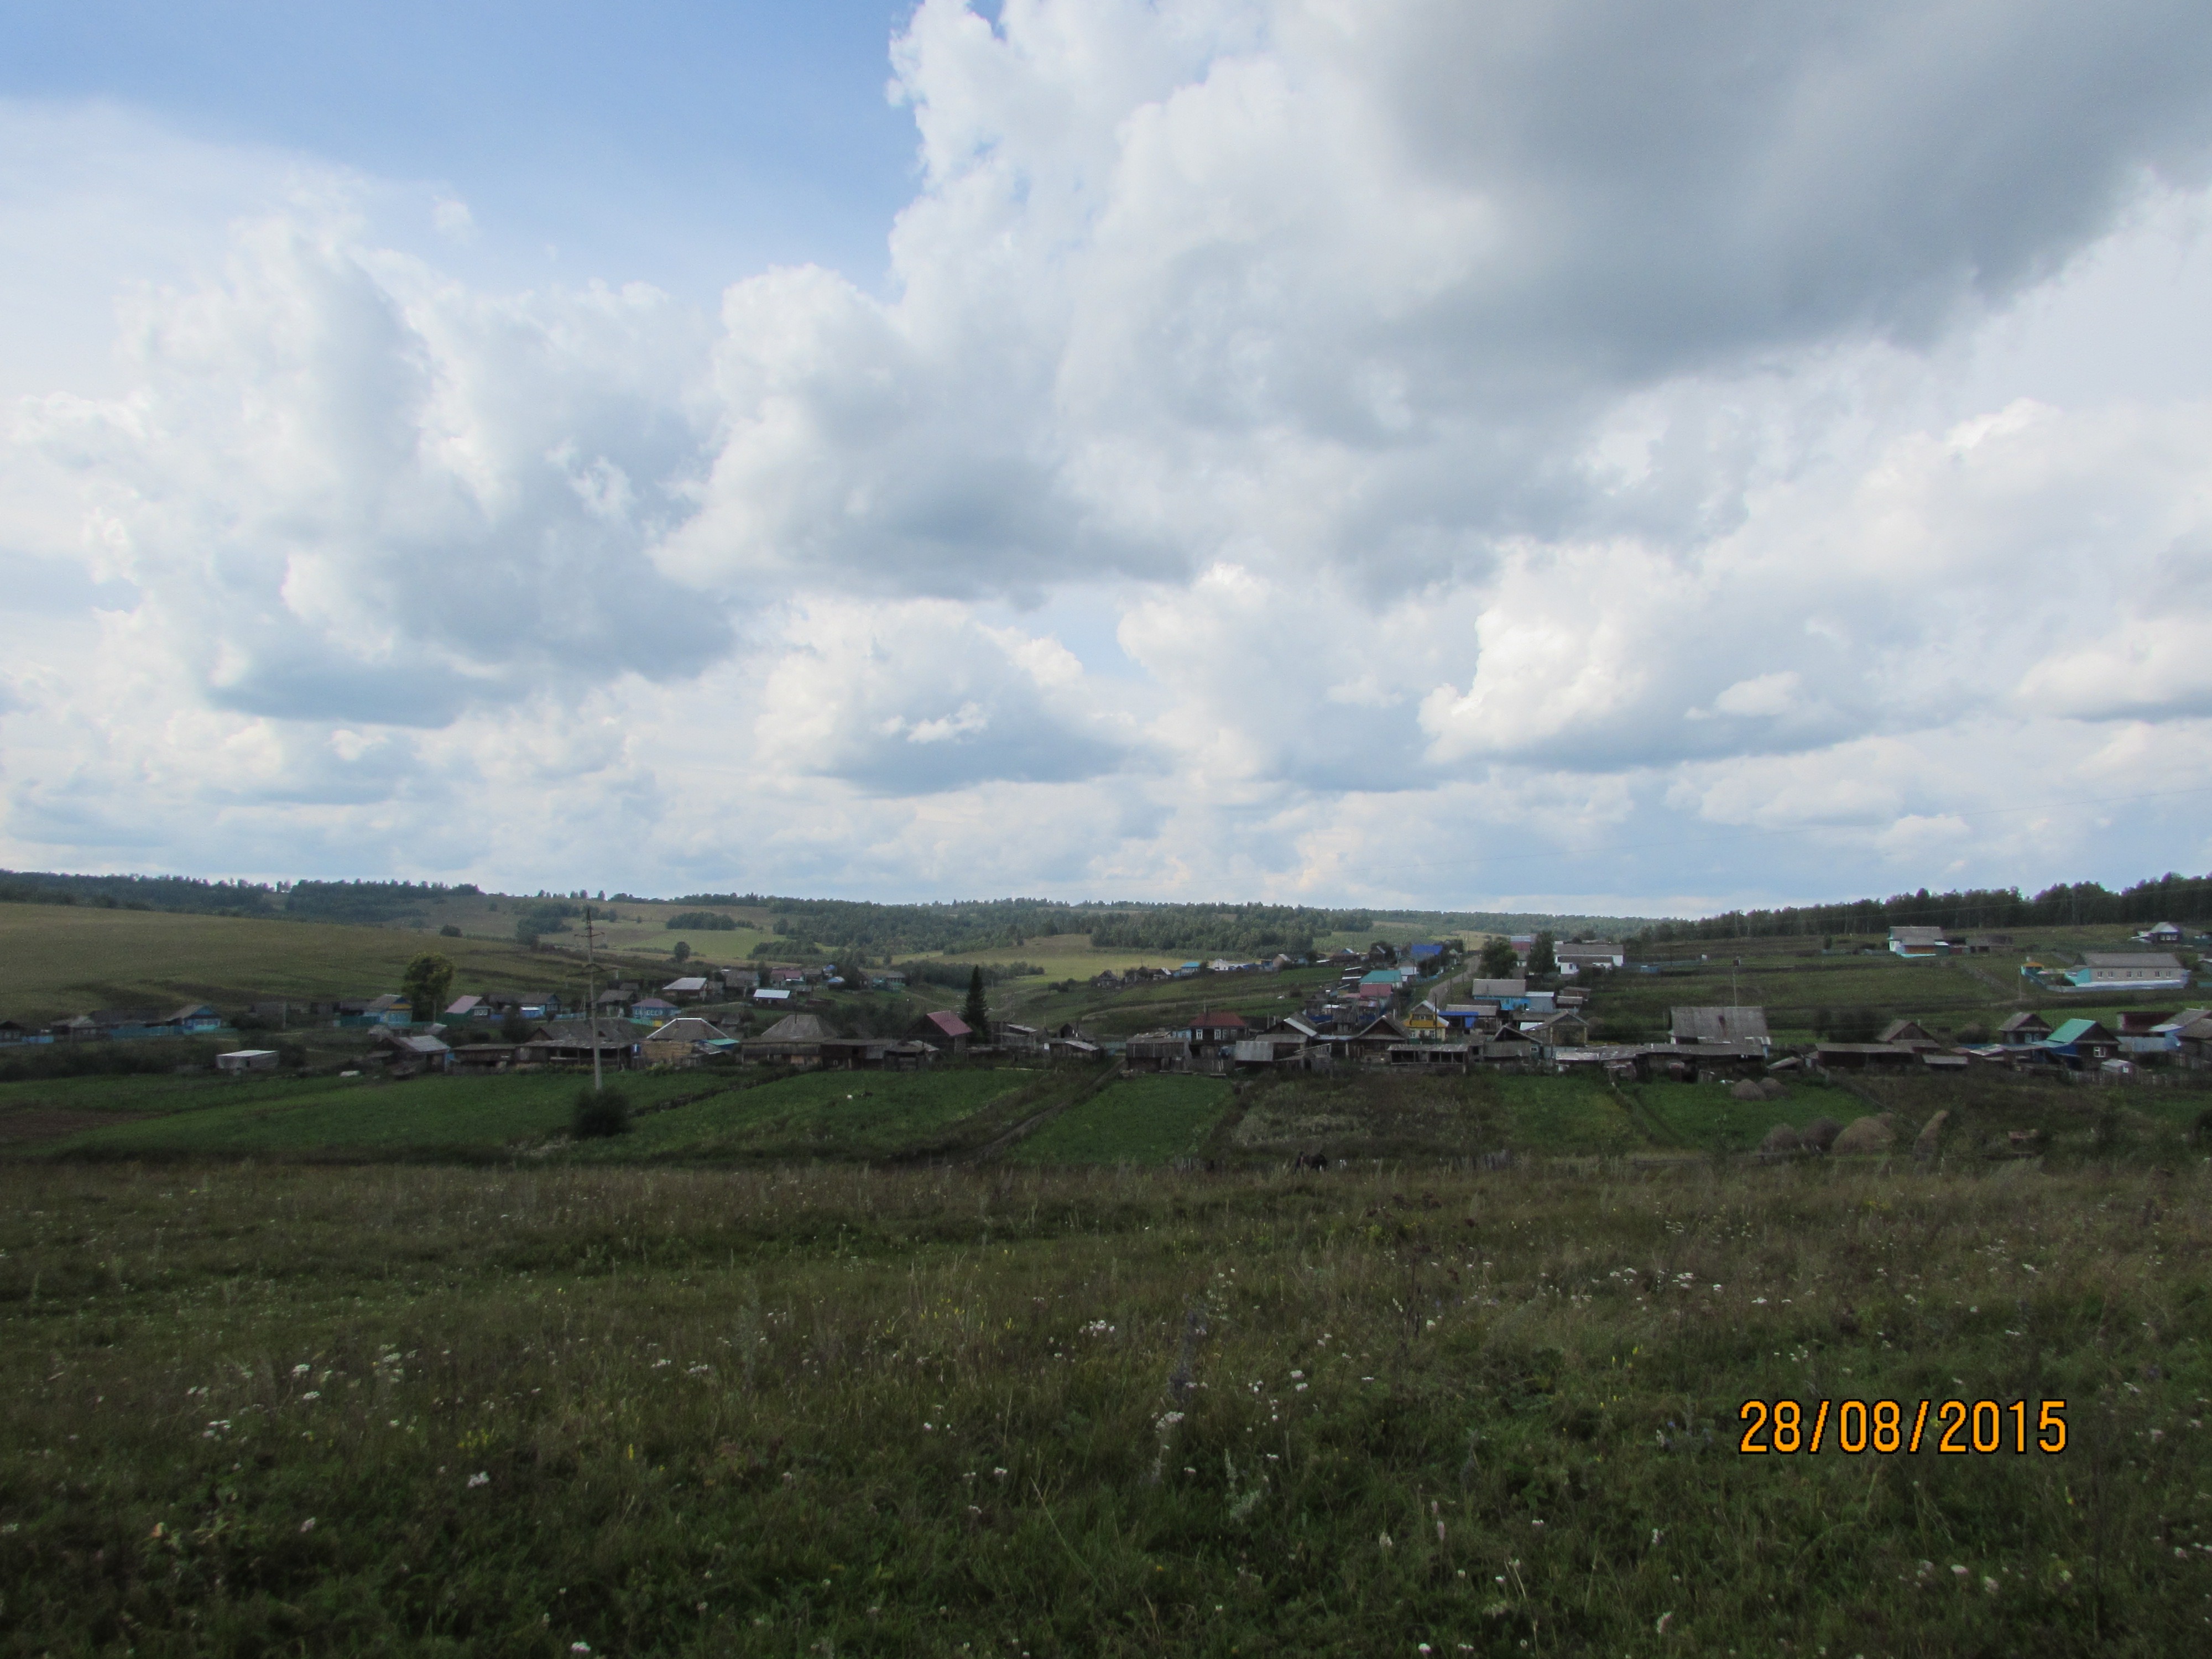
<point>2173,898</point>
<point>371,902</point>
<point>1241,930</point>
<point>183,893</point>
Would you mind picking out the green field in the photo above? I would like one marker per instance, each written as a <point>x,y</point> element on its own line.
<point>57,961</point>
<point>821,1410</point>
<point>1040,1116</point>
<point>1138,1120</point>
<point>1964,997</point>
<point>840,1115</point>
<point>430,1116</point>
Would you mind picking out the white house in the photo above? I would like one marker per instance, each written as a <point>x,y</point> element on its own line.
<point>2129,971</point>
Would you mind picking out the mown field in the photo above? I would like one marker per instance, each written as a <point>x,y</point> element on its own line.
<point>833,1410</point>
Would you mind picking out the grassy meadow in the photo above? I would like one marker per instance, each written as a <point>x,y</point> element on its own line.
<point>263,1409</point>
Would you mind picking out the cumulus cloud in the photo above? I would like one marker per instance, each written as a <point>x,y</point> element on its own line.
<point>1536,430</point>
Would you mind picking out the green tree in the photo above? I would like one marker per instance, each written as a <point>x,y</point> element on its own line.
<point>427,984</point>
<point>683,951</point>
<point>1498,960</point>
<point>597,1115</point>
<point>975,1011</point>
<point>1543,957</point>
<point>513,1028</point>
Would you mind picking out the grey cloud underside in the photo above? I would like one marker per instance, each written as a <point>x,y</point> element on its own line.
<point>1038,754</point>
<point>1684,184</point>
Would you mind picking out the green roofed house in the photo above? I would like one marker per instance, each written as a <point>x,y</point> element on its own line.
<point>2083,1041</point>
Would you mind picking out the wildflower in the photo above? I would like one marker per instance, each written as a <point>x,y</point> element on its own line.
<point>1958,1570</point>
<point>1168,1419</point>
<point>299,1370</point>
<point>479,1478</point>
<point>1386,1540</point>
<point>307,1525</point>
<point>1001,1473</point>
<point>312,1393</point>
<point>1990,1585</point>
<point>580,1647</point>
<point>1295,1376</point>
<point>1665,1619</point>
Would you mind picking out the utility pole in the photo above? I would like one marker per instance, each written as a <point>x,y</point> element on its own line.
<point>592,1000</point>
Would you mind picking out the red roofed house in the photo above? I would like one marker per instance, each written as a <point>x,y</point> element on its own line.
<point>944,1030</point>
<point>1217,1028</point>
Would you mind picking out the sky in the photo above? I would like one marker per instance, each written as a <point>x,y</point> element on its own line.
<point>1552,454</point>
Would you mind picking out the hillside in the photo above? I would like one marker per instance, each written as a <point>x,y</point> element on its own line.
<point>56,961</point>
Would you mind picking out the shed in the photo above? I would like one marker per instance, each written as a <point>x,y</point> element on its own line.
<point>1917,943</point>
<point>1909,1031</point>
<point>1727,1025</point>
<point>1865,1056</point>
<point>247,1060</point>
<point>679,1041</point>
<point>1157,1051</point>
<point>404,1054</point>
<point>573,1042</point>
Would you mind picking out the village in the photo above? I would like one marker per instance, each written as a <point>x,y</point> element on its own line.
<point>1522,1004</point>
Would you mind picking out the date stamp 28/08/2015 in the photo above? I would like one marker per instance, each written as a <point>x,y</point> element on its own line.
<point>1986,1427</point>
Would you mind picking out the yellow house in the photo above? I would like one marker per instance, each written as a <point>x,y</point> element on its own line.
<point>1425,1024</point>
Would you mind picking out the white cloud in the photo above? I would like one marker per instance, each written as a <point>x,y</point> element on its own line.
<point>1489,438</point>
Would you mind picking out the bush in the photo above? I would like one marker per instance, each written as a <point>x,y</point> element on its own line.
<point>600,1114</point>
<point>449,930</point>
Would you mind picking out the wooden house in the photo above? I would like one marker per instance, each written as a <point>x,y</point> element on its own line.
<point>2083,1042</point>
<point>795,1040</point>
<point>945,1031</point>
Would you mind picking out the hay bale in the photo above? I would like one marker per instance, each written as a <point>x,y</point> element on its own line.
<point>1866,1134</point>
<point>1782,1141</point>
<point>1746,1090</point>
<point>1820,1133</point>
<point>1931,1133</point>
<point>1773,1087</point>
